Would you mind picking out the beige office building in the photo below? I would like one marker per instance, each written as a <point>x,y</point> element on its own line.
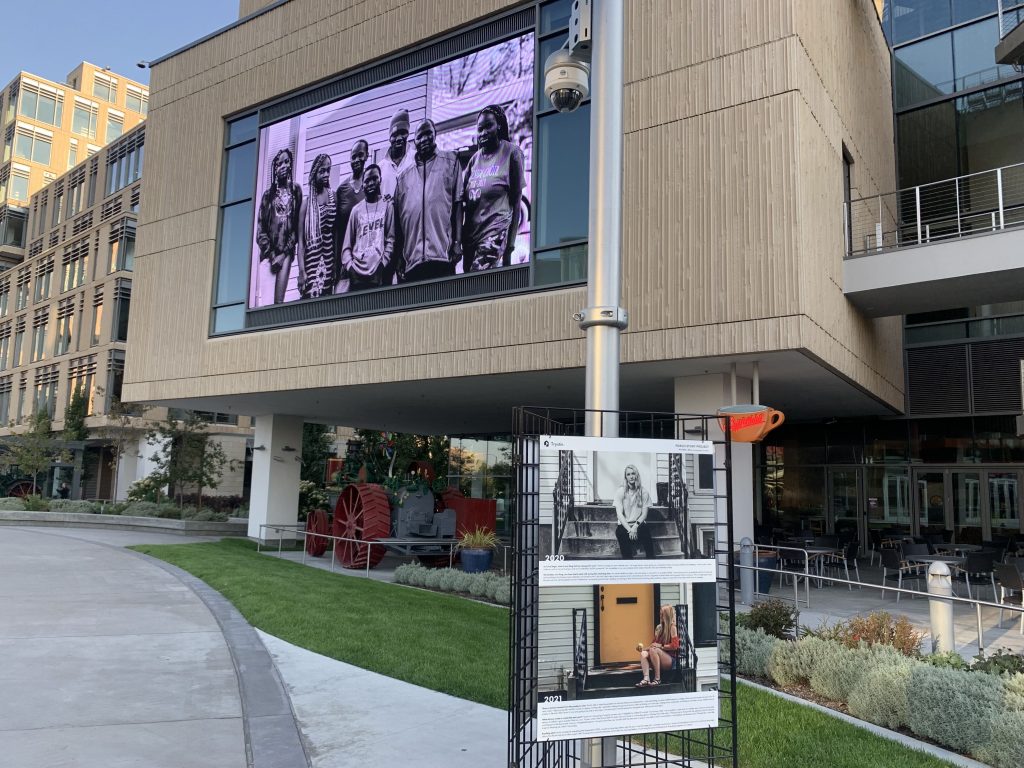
<point>739,132</point>
<point>49,128</point>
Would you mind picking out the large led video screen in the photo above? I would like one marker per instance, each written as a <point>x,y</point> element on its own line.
<point>422,178</point>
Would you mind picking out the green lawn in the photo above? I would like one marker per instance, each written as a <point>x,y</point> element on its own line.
<point>461,647</point>
<point>438,641</point>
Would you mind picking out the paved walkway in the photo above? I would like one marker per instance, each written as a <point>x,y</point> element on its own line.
<point>110,659</point>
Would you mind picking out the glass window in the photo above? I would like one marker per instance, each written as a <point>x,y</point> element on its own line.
<point>115,128</point>
<point>563,186</point>
<point>29,103</point>
<point>136,101</point>
<point>83,122</point>
<point>974,53</point>
<point>104,89</point>
<point>235,245</point>
<point>72,155</point>
<point>561,265</point>
<point>555,16</point>
<point>942,441</point>
<point>965,10</point>
<point>916,18</point>
<point>926,142</point>
<point>19,187</point>
<point>229,318</point>
<point>241,173</point>
<point>23,146</point>
<point>989,128</point>
<point>97,324</point>
<point>122,311</point>
<point>923,71</point>
<point>244,129</point>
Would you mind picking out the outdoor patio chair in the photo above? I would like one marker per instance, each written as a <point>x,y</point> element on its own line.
<point>915,548</point>
<point>1011,589</point>
<point>900,569</point>
<point>794,562</point>
<point>979,565</point>
<point>826,541</point>
<point>845,560</point>
<point>874,547</point>
<point>935,541</point>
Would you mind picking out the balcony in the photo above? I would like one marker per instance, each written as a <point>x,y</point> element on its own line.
<point>952,243</point>
<point>1010,49</point>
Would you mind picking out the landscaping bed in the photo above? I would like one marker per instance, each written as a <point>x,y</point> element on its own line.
<point>871,667</point>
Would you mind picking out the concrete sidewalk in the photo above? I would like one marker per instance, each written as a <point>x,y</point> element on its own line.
<point>112,659</point>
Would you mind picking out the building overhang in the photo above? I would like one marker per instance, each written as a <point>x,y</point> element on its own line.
<point>983,269</point>
<point>793,381</point>
<point>1010,49</point>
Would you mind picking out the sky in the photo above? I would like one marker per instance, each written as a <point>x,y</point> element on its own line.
<point>54,36</point>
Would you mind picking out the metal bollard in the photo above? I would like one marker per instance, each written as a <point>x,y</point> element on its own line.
<point>940,608</point>
<point>746,575</point>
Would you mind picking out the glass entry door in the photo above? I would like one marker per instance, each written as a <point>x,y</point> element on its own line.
<point>845,503</point>
<point>967,506</point>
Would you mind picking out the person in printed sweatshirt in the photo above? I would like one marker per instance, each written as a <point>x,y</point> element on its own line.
<point>369,238</point>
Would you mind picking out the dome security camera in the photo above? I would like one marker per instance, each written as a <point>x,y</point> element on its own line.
<point>566,81</point>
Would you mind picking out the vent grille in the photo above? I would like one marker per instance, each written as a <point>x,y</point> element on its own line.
<point>995,375</point>
<point>414,61</point>
<point>937,381</point>
<point>401,297</point>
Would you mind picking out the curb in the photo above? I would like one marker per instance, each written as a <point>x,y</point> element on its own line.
<point>908,741</point>
<point>122,523</point>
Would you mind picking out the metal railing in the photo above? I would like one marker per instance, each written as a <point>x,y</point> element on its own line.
<point>300,529</point>
<point>1010,15</point>
<point>954,599</point>
<point>978,203</point>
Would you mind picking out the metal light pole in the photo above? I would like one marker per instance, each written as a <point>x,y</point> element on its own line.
<point>603,319</point>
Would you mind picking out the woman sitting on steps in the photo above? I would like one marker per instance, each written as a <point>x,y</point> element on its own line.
<point>661,650</point>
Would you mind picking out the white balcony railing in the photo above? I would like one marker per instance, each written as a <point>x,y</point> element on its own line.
<point>1011,13</point>
<point>978,203</point>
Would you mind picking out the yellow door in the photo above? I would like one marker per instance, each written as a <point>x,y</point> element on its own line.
<point>625,618</point>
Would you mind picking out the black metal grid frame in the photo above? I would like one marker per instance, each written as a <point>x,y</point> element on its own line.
<point>713,747</point>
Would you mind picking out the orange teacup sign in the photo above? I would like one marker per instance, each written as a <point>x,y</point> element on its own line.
<point>750,422</point>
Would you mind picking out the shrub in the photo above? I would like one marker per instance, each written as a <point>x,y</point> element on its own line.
<point>1014,685</point>
<point>838,670</point>
<point>880,696</point>
<point>501,590</point>
<point>462,582</point>
<point>69,505</point>
<point>432,579</point>
<point>418,576</point>
<point>146,489</point>
<point>793,663</point>
<point>774,617</point>
<point>1005,745</point>
<point>402,573</point>
<point>1000,662</point>
<point>152,509</point>
<point>447,581</point>
<point>953,707</point>
<point>753,651</point>
<point>35,503</point>
<point>878,628</point>
<point>481,586</point>
<point>117,508</point>
<point>12,504</point>
<point>949,659</point>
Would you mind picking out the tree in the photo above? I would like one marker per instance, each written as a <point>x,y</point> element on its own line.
<point>317,447</point>
<point>186,456</point>
<point>388,455</point>
<point>74,416</point>
<point>120,433</point>
<point>34,451</point>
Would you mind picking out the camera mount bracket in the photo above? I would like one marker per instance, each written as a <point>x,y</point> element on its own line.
<point>615,317</point>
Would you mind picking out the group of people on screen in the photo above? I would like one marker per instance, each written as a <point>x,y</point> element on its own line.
<point>415,215</point>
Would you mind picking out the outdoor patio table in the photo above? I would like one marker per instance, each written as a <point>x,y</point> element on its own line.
<point>818,555</point>
<point>948,559</point>
<point>961,549</point>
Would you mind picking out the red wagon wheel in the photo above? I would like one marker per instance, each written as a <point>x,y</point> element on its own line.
<point>363,513</point>
<point>20,489</point>
<point>317,523</point>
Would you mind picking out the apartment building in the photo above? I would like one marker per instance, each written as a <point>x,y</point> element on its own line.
<point>64,314</point>
<point>49,128</point>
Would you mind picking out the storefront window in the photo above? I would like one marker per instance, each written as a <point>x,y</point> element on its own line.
<point>942,441</point>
